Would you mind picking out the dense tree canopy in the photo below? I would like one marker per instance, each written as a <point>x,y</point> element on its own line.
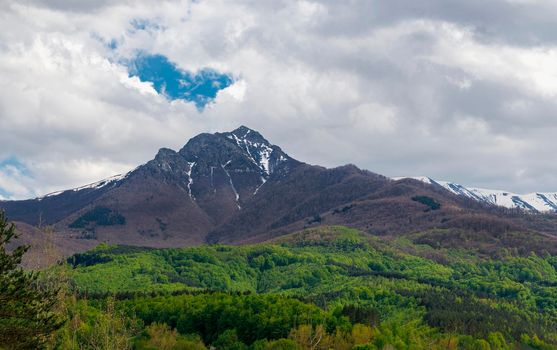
<point>331,285</point>
<point>325,288</point>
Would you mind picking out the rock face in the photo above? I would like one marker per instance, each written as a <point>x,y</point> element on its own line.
<point>236,187</point>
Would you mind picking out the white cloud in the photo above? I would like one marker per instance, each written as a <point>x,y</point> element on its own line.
<point>16,181</point>
<point>323,79</point>
<point>373,118</point>
<point>236,91</point>
<point>531,69</point>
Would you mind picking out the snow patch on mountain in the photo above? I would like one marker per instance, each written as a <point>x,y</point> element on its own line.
<point>231,184</point>
<point>190,179</point>
<point>110,181</point>
<point>535,202</point>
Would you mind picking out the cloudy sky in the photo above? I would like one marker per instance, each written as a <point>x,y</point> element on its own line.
<point>461,90</point>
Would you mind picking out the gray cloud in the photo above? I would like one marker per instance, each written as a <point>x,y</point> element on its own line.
<point>457,90</point>
<point>520,22</point>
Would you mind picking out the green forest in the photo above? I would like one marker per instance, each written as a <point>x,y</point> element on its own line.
<point>322,288</point>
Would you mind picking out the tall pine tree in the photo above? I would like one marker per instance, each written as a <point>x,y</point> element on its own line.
<point>27,317</point>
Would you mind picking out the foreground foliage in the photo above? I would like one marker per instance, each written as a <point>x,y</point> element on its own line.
<point>27,309</point>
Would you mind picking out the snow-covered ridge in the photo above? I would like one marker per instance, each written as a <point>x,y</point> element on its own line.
<point>110,181</point>
<point>258,151</point>
<point>536,202</point>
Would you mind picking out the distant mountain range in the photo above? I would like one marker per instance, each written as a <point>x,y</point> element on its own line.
<point>535,202</point>
<point>236,187</point>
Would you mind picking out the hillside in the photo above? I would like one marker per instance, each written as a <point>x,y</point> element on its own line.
<point>412,293</point>
<point>237,188</point>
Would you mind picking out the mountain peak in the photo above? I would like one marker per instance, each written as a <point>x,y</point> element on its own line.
<point>243,134</point>
<point>257,149</point>
<point>242,130</point>
<point>165,153</point>
<point>238,162</point>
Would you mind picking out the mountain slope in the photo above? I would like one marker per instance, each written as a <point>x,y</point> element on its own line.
<point>236,187</point>
<point>296,198</point>
<point>536,202</point>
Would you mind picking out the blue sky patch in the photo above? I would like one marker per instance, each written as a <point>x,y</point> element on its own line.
<point>200,88</point>
<point>4,194</point>
<point>112,44</point>
<point>11,162</point>
<point>14,162</point>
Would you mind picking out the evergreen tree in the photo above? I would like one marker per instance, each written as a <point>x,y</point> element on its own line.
<point>27,317</point>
